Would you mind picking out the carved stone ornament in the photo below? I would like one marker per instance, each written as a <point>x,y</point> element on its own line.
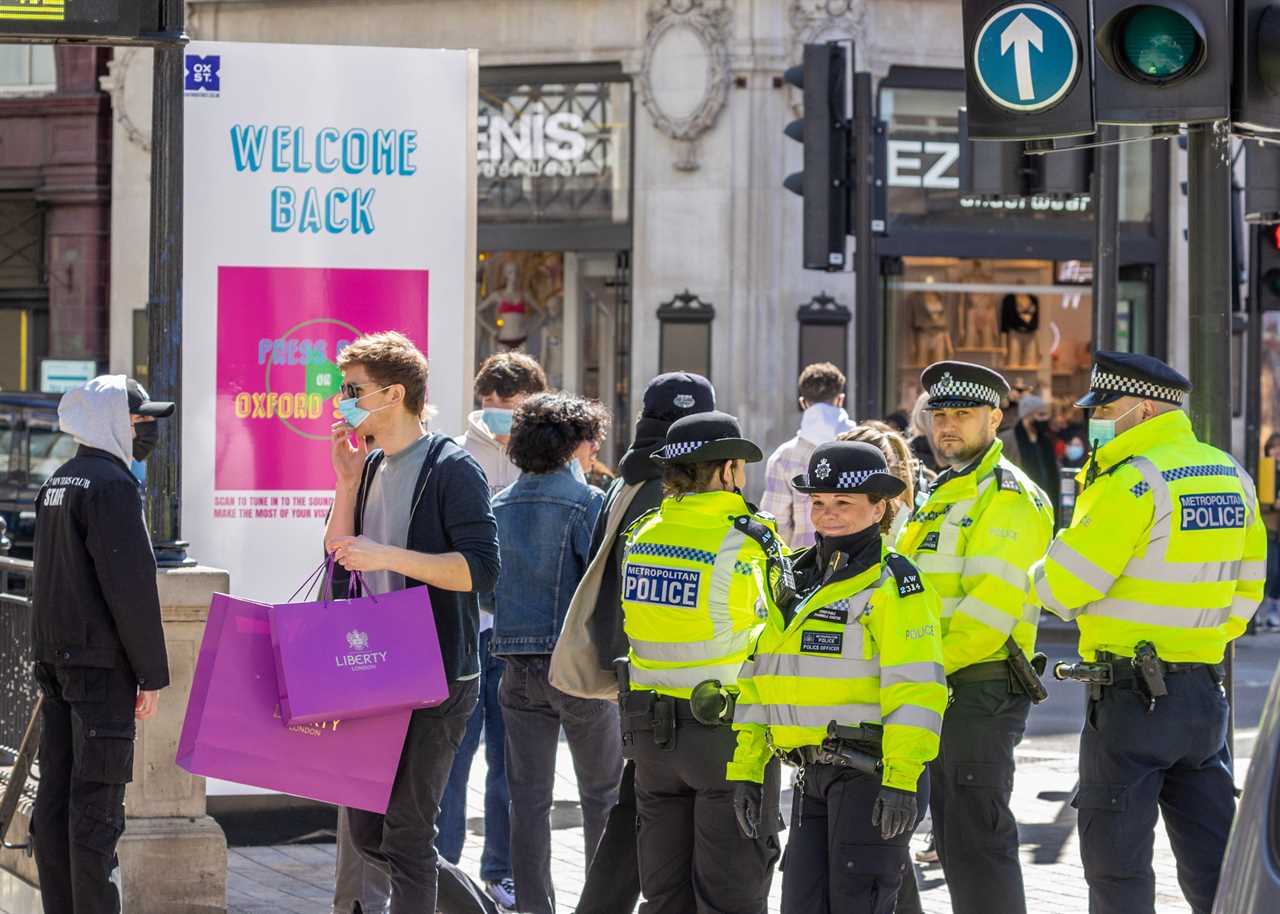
<point>684,76</point>
<point>816,21</point>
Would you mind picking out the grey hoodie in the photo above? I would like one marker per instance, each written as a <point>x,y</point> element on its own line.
<point>97,415</point>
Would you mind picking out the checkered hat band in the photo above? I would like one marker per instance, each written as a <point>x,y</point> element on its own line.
<point>679,449</point>
<point>1135,387</point>
<point>851,479</point>
<point>964,390</point>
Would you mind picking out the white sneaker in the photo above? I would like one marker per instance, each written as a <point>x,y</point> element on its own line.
<point>503,892</point>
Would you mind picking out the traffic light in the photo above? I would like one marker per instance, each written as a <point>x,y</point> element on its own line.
<point>1264,277</point>
<point>1162,63</point>
<point>1028,69</point>
<point>1262,182</point>
<point>96,21</point>
<point>992,170</point>
<point>1063,173</point>
<point>826,133</point>
<point>1255,98</point>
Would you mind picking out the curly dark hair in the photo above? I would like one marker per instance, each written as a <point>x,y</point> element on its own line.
<point>508,374</point>
<point>547,429</point>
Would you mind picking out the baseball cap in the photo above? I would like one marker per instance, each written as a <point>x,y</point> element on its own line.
<point>141,404</point>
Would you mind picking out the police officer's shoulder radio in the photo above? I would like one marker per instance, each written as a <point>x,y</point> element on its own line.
<point>781,578</point>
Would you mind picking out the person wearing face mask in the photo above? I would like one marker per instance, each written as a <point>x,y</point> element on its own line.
<point>846,684</point>
<point>1163,565</point>
<point>97,640</point>
<point>981,528</point>
<point>691,610</point>
<point>1029,444</point>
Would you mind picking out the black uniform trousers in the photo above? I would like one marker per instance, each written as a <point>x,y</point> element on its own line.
<point>974,829</point>
<point>693,858</point>
<point>86,759</point>
<point>836,862</point>
<point>1132,762</point>
<point>613,878</point>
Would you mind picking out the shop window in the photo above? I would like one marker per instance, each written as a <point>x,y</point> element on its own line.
<point>27,67</point>
<point>684,343</point>
<point>21,241</point>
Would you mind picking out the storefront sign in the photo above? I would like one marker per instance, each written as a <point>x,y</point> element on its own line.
<point>57,376</point>
<point>304,228</point>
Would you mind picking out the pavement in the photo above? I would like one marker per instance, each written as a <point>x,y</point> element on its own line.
<point>298,878</point>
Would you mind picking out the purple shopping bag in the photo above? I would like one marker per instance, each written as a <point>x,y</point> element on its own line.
<point>354,658</point>
<point>234,730</point>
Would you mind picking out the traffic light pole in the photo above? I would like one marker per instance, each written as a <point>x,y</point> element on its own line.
<point>1209,275</point>
<point>164,298</point>
<point>869,327</point>
<point>1106,240</point>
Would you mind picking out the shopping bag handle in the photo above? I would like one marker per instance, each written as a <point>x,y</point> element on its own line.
<point>355,584</point>
<point>324,569</point>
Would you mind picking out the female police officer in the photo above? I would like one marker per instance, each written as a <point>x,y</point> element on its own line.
<point>691,610</point>
<point>847,684</point>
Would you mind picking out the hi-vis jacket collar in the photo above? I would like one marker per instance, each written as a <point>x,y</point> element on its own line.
<point>1164,429</point>
<point>956,486</point>
<point>837,588</point>
<point>714,508</point>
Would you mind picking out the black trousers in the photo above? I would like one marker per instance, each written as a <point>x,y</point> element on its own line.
<point>1132,763</point>
<point>86,759</point>
<point>693,859</point>
<point>972,781</point>
<point>836,862</point>
<point>613,879</point>
<point>402,843</point>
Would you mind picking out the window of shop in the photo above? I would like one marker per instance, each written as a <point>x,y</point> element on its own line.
<point>27,68</point>
<point>24,299</point>
<point>554,204</point>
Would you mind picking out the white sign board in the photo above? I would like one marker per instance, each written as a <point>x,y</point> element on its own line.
<point>329,192</point>
<point>57,376</point>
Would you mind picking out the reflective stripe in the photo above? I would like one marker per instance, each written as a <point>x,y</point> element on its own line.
<point>809,667</point>
<point>1169,616</point>
<point>1031,614</point>
<point>1252,571</point>
<point>949,605</point>
<point>929,563</point>
<point>1246,483</point>
<point>722,581</point>
<point>994,567</point>
<point>1162,518</point>
<point>797,716</point>
<point>912,674</point>
<point>1244,607</point>
<point>1080,567</point>
<point>692,651</point>
<point>683,677</point>
<point>916,716</point>
<point>1165,572</point>
<point>987,614</point>
<point>1044,593</point>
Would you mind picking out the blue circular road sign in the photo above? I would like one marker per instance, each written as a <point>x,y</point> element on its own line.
<point>1027,57</point>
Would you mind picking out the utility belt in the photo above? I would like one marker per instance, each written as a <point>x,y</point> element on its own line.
<point>1144,673</point>
<point>858,748</point>
<point>1022,675</point>
<point>659,716</point>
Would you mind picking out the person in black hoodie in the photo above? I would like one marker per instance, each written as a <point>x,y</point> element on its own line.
<point>613,880</point>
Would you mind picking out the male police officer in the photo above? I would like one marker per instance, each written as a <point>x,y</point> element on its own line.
<point>974,540</point>
<point>98,644</point>
<point>1163,564</point>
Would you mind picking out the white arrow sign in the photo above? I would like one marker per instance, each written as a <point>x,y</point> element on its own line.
<point>1020,35</point>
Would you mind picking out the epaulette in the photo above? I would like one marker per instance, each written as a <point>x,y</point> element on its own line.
<point>905,574</point>
<point>1007,481</point>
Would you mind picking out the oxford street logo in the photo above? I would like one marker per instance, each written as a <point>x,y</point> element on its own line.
<point>203,75</point>
<point>823,469</point>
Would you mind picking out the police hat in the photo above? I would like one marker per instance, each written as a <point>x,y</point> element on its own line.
<point>846,467</point>
<point>955,384</point>
<point>141,404</point>
<point>706,438</point>
<point>1127,374</point>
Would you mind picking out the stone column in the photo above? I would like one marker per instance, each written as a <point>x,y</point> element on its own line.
<point>173,856</point>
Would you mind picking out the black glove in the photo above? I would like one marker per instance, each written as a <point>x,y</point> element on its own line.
<point>748,798</point>
<point>894,812</point>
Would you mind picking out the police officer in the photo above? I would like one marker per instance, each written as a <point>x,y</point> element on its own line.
<point>98,644</point>
<point>846,683</point>
<point>691,610</point>
<point>1163,564</point>
<point>975,538</point>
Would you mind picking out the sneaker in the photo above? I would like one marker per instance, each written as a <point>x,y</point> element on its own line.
<point>503,892</point>
<point>929,854</point>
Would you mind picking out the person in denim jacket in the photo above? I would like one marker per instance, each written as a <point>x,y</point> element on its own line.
<point>545,521</point>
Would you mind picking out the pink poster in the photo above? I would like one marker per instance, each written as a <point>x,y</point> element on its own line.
<point>280,330</point>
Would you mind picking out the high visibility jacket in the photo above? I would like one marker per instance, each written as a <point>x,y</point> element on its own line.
<point>1166,545</point>
<point>691,606</point>
<point>865,649</point>
<point>975,539</point>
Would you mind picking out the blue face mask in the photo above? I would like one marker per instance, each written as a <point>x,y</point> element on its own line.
<point>497,420</point>
<point>1075,451</point>
<point>353,414</point>
<point>1103,431</point>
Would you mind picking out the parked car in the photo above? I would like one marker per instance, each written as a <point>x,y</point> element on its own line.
<point>1250,882</point>
<point>31,448</point>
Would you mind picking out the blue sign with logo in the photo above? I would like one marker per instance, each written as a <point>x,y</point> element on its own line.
<point>1214,511</point>
<point>1027,57</point>
<point>203,73</point>
<point>662,586</point>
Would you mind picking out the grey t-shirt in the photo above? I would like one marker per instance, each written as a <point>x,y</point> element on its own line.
<point>389,507</point>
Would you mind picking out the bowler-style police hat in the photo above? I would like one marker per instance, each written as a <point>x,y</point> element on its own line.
<point>957,384</point>
<point>1127,374</point>
<point>706,438</point>
<point>846,467</point>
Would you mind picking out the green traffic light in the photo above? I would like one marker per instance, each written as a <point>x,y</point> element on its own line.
<point>1159,44</point>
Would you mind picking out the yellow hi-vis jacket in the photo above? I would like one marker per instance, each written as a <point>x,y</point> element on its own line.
<point>1166,545</point>
<point>865,649</point>
<point>975,540</point>
<point>691,606</point>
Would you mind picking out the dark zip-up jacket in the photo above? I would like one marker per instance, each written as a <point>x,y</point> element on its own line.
<point>451,513</point>
<point>96,602</point>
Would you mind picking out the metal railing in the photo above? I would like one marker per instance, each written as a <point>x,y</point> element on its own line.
<point>17,688</point>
